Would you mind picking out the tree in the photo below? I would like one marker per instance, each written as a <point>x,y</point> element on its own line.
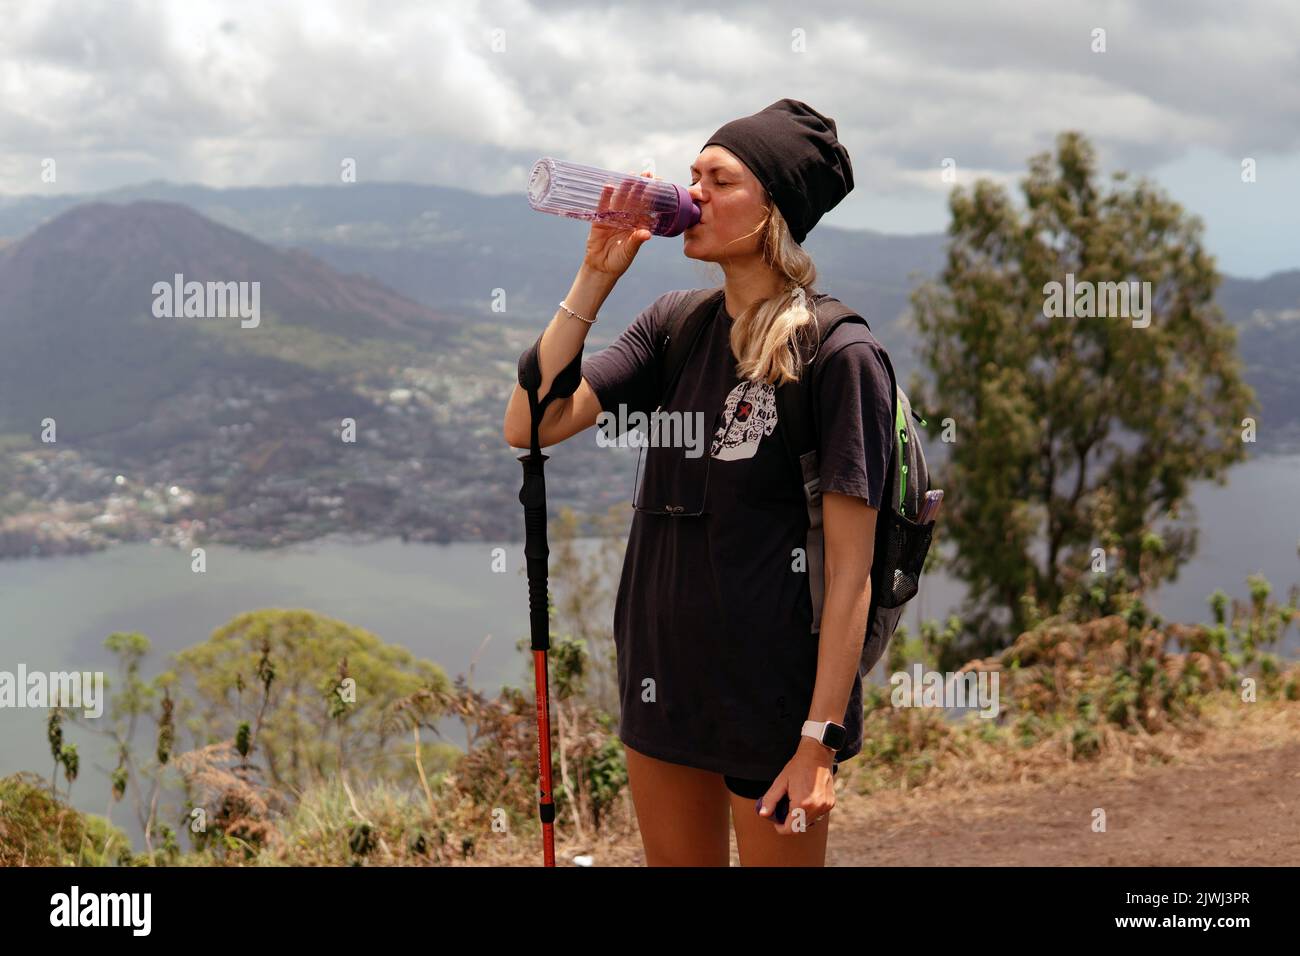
<point>1071,432</point>
<point>131,701</point>
<point>323,689</point>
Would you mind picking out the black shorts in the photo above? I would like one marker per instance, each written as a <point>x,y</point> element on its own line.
<point>754,789</point>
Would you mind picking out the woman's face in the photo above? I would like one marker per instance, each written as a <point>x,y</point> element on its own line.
<point>731,207</point>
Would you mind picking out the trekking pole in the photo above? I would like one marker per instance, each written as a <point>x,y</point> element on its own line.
<point>532,495</point>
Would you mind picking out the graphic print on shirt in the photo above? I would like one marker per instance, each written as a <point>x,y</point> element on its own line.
<point>748,414</point>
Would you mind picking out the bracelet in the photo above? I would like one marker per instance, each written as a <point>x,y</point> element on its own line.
<point>575,314</point>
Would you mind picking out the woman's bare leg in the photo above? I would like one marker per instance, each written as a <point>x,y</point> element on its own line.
<point>759,844</point>
<point>681,811</point>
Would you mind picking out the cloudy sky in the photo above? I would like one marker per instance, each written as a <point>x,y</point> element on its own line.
<point>469,94</point>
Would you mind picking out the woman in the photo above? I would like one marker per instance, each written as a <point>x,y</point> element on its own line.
<point>726,695</point>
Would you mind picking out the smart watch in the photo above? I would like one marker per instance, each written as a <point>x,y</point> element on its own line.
<point>826,732</point>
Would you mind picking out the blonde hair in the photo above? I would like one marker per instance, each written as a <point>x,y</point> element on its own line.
<point>774,336</point>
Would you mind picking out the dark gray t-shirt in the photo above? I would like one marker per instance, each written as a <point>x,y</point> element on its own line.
<point>716,662</point>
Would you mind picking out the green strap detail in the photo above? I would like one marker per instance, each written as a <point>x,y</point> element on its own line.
<point>901,424</point>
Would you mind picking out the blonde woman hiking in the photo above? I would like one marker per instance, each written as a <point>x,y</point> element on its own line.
<point>730,707</point>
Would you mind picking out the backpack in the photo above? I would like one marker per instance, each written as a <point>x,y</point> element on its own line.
<point>901,543</point>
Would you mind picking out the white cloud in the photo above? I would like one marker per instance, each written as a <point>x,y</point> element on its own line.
<point>248,93</point>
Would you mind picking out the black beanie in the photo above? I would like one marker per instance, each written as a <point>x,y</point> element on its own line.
<point>793,151</point>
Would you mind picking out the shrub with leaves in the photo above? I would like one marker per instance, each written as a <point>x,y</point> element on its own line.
<point>38,829</point>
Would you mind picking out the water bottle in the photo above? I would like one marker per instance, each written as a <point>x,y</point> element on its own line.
<point>574,190</point>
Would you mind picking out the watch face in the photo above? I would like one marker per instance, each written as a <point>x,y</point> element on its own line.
<point>834,735</point>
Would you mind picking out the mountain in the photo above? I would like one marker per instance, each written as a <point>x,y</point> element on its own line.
<point>1255,301</point>
<point>81,343</point>
<point>376,307</point>
<point>345,407</point>
<point>108,257</point>
<point>451,250</point>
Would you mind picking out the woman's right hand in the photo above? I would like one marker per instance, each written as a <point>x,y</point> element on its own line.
<point>611,249</point>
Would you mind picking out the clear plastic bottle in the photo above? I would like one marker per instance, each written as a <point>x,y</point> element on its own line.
<point>574,190</point>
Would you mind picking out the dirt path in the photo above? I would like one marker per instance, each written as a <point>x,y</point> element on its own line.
<point>1235,800</point>
<point>1225,810</point>
<point>1229,796</point>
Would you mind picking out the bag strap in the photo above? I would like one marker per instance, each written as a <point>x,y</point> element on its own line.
<point>793,405</point>
<point>683,330</point>
<point>794,413</point>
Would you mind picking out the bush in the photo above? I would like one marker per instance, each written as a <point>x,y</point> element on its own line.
<point>38,829</point>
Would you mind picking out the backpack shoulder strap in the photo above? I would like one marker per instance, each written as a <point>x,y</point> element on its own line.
<point>680,335</point>
<point>795,423</point>
<point>794,407</point>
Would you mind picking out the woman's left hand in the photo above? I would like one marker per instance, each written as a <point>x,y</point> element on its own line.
<point>808,780</point>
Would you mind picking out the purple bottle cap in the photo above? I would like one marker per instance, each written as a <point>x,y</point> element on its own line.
<point>688,213</point>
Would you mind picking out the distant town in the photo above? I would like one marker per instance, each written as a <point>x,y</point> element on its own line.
<point>244,463</point>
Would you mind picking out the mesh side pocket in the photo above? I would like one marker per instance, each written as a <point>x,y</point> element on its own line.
<point>896,573</point>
